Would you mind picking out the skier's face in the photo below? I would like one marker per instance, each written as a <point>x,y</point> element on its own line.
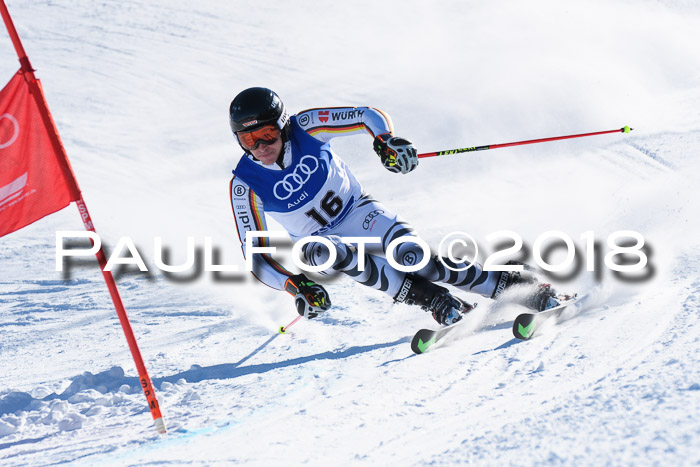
<point>268,153</point>
<point>264,143</point>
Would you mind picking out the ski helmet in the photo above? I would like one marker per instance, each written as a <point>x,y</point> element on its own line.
<point>256,107</point>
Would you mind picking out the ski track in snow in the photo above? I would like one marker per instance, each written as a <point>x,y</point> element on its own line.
<point>139,91</point>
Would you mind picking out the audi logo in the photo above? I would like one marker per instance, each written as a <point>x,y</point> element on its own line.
<point>294,181</point>
<point>370,216</point>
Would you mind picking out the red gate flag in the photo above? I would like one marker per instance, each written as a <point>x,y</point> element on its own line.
<point>34,179</point>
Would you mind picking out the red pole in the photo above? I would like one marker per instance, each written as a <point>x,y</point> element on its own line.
<point>625,129</point>
<point>144,379</point>
<point>39,98</point>
<point>283,329</point>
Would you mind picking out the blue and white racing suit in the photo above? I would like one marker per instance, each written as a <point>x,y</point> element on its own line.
<point>314,193</point>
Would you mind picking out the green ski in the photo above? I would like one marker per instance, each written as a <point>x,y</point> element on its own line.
<point>424,339</point>
<point>526,325</point>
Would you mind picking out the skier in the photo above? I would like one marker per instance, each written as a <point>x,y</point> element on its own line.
<point>290,173</point>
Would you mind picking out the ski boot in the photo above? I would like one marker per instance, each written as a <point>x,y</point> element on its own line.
<point>445,308</point>
<point>542,298</point>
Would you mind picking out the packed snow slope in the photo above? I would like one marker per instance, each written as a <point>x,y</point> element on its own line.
<point>140,92</point>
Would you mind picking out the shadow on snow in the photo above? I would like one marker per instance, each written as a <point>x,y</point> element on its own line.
<point>234,370</point>
<point>113,379</point>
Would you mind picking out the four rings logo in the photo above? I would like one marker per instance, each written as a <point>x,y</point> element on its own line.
<point>369,217</point>
<point>294,181</point>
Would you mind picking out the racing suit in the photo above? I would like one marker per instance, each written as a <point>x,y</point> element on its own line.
<point>313,193</point>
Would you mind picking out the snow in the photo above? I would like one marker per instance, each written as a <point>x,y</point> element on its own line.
<point>139,91</point>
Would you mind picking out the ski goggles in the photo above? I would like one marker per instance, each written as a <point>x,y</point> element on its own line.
<point>268,134</point>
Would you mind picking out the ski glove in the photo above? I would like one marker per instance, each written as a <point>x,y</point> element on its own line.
<point>310,298</point>
<point>397,154</point>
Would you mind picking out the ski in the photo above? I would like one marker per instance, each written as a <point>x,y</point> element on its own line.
<point>524,327</point>
<point>526,324</point>
<point>427,338</point>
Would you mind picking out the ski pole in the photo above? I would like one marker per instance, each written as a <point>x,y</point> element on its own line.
<point>283,329</point>
<point>624,129</point>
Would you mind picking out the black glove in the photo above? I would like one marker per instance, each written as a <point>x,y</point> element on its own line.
<point>397,154</point>
<point>310,298</point>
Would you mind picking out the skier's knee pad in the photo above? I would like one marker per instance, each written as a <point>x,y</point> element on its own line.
<point>318,253</point>
<point>408,253</point>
